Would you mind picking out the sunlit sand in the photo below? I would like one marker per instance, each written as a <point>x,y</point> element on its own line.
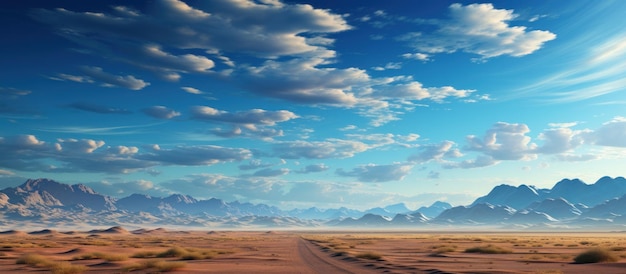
<point>116,249</point>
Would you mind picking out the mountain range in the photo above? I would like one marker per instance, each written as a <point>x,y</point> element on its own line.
<point>569,204</point>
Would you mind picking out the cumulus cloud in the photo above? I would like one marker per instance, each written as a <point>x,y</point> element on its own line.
<point>250,117</point>
<point>504,141</point>
<point>405,88</point>
<point>110,80</point>
<point>313,168</point>
<point>417,56</point>
<point>161,112</point>
<point>251,123</point>
<point>201,155</point>
<point>559,140</point>
<point>291,58</point>
<point>479,29</point>
<point>331,148</point>
<point>612,133</point>
<point>98,108</point>
<point>378,173</point>
<point>265,28</point>
<point>28,153</point>
<point>436,152</point>
<point>268,172</point>
<point>301,80</point>
<point>247,132</point>
<point>255,164</point>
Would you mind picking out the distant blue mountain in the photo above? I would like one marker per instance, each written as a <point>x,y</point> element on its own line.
<point>574,191</point>
<point>570,203</point>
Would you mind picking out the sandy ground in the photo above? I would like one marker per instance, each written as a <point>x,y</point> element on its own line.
<point>116,250</point>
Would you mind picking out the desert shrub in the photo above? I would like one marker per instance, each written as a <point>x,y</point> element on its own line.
<point>159,266</point>
<point>444,249</point>
<point>490,249</point>
<point>36,260</point>
<point>99,255</point>
<point>618,248</point>
<point>145,254</point>
<point>172,252</point>
<point>595,255</point>
<point>369,256</point>
<point>33,260</point>
<point>66,268</point>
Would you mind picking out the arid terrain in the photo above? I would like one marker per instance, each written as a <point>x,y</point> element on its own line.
<point>117,250</point>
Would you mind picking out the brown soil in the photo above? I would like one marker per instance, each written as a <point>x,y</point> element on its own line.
<point>144,251</point>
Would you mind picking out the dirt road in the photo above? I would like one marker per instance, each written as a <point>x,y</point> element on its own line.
<point>315,261</point>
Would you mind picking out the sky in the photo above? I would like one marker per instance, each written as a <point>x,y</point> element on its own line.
<point>312,103</point>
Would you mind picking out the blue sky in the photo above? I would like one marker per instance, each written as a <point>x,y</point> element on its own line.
<point>318,103</point>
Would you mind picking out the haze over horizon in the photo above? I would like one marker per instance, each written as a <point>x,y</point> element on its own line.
<point>317,103</point>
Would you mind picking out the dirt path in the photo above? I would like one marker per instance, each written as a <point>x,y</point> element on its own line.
<point>315,261</point>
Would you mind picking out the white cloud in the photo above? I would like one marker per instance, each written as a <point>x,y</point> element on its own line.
<point>404,88</point>
<point>576,158</point>
<point>94,74</point>
<point>255,164</point>
<point>256,28</point>
<point>191,90</point>
<point>480,29</point>
<point>559,140</point>
<point>121,188</point>
<point>435,152</point>
<point>417,56</point>
<point>248,132</point>
<point>28,153</point>
<point>480,161</point>
<point>161,112</point>
<point>331,148</point>
<point>390,65</point>
<point>596,70</point>
<point>268,172</point>
<point>250,117</point>
<point>313,168</point>
<point>288,43</point>
<point>110,80</point>
<point>302,81</point>
<point>201,155</point>
<point>72,146</point>
<point>612,133</point>
<point>372,173</point>
<point>504,141</point>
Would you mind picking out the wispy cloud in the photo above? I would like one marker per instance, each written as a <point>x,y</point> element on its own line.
<point>597,72</point>
<point>98,108</point>
<point>117,130</point>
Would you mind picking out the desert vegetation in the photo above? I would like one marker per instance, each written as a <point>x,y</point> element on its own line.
<point>369,252</point>
<point>595,255</point>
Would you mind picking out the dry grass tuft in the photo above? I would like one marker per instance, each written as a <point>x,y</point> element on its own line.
<point>156,265</point>
<point>105,256</point>
<point>39,261</point>
<point>595,255</point>
<point>490,249</point>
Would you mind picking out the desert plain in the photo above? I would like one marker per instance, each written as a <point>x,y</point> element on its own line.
<point>117,250</point>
